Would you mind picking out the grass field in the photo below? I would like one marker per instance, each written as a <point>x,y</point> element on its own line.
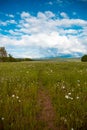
<point>43,96</point>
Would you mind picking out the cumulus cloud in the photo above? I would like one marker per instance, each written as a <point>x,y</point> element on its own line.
<point>46,35</point>
<point>59,2</point>
<point>55,1</point>
<point>64,15</point>
<point>25,14</point>
<point>2,23</point>
<point>10,15</point>
<point>7,22</point>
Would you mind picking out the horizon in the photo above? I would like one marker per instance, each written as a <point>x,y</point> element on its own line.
<point>44,29</point>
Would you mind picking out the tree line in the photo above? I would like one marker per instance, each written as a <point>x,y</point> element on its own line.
<point>4,57</point>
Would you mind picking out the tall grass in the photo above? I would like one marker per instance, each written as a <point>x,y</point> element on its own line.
<point>18,95</point>
<point>67,85</point>
<point>65,82</point>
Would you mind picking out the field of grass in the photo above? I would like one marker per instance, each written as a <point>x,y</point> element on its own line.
<point>65,83</point>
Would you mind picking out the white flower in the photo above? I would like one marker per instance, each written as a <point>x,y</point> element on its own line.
<point>64,119</point>
<point>13,95</point>
<point>19,100</point>
<point>66,96</point>
<point>78,80</point>
<point>72,128</point>
<point>78,84</point>
<point>77,97</point>
<point>2,118</point>
<point>17,97</point>
<point>71,98</point>
<point>69,93</point>
<point>63,87</point>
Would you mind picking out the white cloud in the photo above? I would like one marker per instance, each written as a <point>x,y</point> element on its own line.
<point>10,15</point>
<point>50,3</point>
<point>11,22</point>
<point>64,15</point>
<point>25,14</point>
<point>2,23</point>
<point>46,32</point>
<point>7,22</point>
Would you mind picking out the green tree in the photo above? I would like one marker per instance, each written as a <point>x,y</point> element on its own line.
<point>84,58</point>
<point>11,58</point>
<point>3,52</point>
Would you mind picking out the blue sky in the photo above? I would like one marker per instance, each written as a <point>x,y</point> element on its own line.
<point>44,28</point>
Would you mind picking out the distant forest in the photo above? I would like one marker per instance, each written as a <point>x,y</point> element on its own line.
<point>5,57</point>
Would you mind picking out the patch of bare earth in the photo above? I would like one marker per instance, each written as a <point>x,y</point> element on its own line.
<point>47,114</point>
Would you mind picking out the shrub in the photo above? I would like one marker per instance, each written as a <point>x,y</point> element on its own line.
<point>84,58</point>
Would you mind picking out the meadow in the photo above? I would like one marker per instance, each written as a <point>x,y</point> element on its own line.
<point>63,84</point>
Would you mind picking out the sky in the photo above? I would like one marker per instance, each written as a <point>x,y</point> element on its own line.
<point>44,28</point>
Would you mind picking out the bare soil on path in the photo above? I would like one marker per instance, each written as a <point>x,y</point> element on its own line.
<point>47,113</point>
<point>46,116</point>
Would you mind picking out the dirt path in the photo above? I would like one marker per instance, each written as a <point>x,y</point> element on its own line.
<point>47,114</point>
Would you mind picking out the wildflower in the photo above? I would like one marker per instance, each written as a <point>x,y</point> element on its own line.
<point>17,97</point>
<point>71,98</point>
<point>78,80</point>
<point>77,97</point>
<point>69,93</point>
<point>13,95</point>
<point>72,128</point>
<point>78,84</point>
<point>19,100</point>
<point>2,118</point>
<point>66,96</point>
<point>64,119</point>
<point>63,87</point>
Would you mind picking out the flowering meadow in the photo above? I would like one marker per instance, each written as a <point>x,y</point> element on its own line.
<point>65,83</point>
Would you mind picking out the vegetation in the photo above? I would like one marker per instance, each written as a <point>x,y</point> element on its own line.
<point>4,57</point>
<point>3,52</point>
<point>63,82</point>
<point>12,59</point>
<point>84,58</point>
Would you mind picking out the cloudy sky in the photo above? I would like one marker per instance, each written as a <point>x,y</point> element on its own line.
<point>44,28</point>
